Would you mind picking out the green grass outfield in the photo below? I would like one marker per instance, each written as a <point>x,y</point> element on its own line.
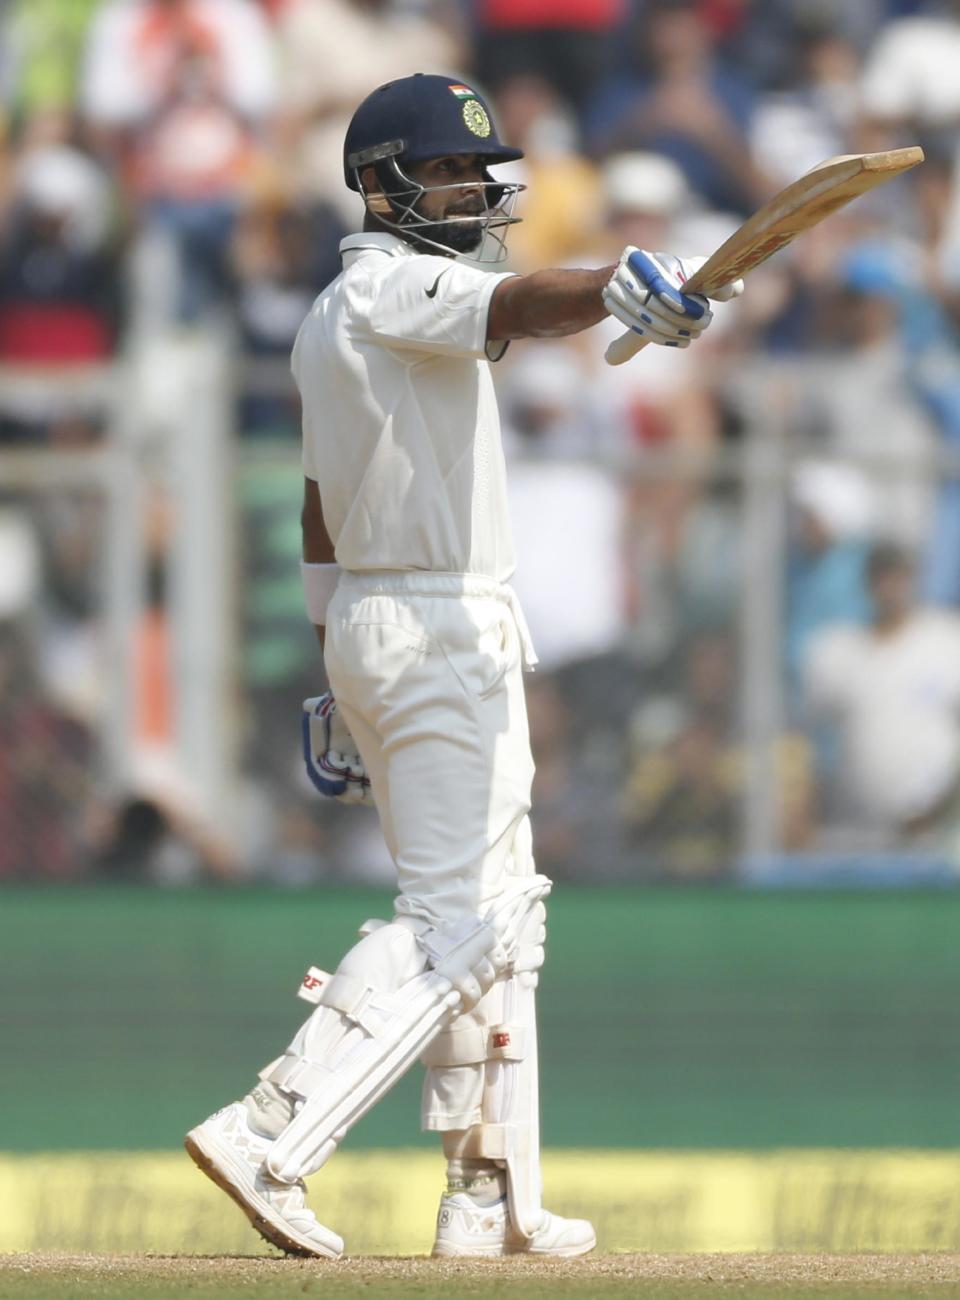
<point>654,1277</point>
<point>685,1019</point>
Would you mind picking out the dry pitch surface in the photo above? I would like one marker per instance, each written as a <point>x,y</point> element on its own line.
<point>653,1277</point>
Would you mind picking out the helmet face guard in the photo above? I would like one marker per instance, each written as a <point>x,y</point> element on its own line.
<point>482,235</point>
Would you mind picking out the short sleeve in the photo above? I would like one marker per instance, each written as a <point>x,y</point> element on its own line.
<point>433,304</point>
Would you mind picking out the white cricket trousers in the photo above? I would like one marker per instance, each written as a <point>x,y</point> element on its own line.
<point>427,669</point>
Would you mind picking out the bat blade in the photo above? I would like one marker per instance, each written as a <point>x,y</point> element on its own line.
<point>802,204</point>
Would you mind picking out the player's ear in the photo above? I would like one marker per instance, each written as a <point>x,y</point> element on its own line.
<point>373,191</point>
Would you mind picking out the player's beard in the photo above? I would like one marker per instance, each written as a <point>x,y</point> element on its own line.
<point>460,236</point>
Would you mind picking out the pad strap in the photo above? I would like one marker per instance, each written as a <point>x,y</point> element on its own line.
<point>467,1044</point>
<point>296,1075</point>
<point>344,993</point>
<point>487,1142</point>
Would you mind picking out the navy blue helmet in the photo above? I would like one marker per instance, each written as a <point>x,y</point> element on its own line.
<point>421,117</point>
<point>415,119</point>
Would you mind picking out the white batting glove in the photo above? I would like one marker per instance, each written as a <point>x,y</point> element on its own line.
<point>330,753</point>
<point>646,294</point>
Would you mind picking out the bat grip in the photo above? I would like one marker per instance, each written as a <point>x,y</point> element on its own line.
<point>625,347</point>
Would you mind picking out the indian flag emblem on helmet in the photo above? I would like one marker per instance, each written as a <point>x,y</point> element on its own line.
<point>475,116</point>
<point>462,92</point>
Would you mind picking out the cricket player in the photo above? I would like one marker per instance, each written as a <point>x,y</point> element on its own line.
<point>406,557</point>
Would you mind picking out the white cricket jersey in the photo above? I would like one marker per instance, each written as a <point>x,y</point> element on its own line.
<point>401,430</point>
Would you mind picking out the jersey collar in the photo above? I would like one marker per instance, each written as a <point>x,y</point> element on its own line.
<point>373,240</point>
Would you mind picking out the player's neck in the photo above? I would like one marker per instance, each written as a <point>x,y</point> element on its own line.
<point>373,225</point>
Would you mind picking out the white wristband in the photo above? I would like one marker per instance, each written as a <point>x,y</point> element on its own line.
<point>319,584</point>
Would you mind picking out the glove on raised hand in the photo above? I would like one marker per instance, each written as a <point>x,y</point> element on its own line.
<point>646,294</point>
<point>330,753</point>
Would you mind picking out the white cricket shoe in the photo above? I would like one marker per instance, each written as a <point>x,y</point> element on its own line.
<point>230,1152</point>
<point>465,1228</point>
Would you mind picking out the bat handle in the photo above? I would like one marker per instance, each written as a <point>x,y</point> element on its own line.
<point>625,347</point>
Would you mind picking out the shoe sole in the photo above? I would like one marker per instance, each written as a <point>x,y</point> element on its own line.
<point>452,1252</point>
<point>565,1252</point>
<point>269,1231</point>
<point>498,1252</point>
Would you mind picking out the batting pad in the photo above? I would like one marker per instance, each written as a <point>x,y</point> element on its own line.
<point>338,1095</point>
<point>388,999</point>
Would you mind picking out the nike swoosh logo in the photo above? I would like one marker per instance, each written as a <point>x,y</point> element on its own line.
<point>432,292</point>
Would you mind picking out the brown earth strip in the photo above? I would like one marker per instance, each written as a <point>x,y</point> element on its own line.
<point>732,1271</point>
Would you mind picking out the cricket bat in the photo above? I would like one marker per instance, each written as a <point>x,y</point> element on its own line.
<point>789,213</point>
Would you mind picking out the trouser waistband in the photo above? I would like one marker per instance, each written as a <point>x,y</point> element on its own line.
<point>403,582</point>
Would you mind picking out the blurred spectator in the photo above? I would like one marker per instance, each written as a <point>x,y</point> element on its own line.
<point>144,842</point>
<point>625,481</point>
<point>69,525</point>
<point>194,156</point>
<point>43,43</point>
<point>682,798</point>
<point>572,44</point>
<point>864,394</point>
<point>20,572</point>
<point>659,397</point>
<point>561,208</point>
<point>681,102</point>
<point>59,280</point>
<point>768,36</point>
<point>814,115</point>
<point>930,380</point>
<point>283,254</point>
<point>892,687</point>
<point>826,568</point>
<point>659,407</point>
<point>136,840</point>
<point>44,766</point>
<point>333,53</point>
<point>911,71</point>
<point>548,409</point>
<point>567,511</point>
<point>135,49</point>
<point>910,86</point>
<point>578,832</point>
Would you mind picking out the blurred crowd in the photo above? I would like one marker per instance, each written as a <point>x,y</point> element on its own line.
<point>173,171</point>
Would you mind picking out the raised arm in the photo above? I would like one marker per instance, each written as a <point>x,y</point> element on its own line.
<point>547,304</point>
<point>643,290</point>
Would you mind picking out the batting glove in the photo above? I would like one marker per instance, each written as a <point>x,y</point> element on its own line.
<point>330,753</point>
<point>646,294</point>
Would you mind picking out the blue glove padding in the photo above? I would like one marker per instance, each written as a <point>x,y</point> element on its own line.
<point>645,293</point>
<point>651,273</point>
<point>330,753</point>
